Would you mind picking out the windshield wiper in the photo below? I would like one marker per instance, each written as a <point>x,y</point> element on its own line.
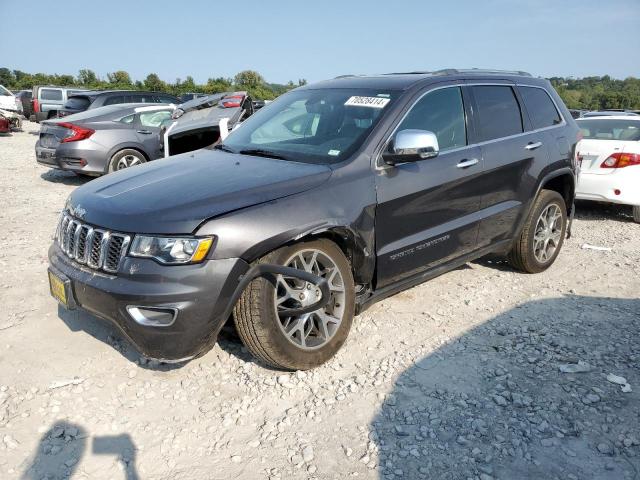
<point>257,152</point>
<point>224,148</point>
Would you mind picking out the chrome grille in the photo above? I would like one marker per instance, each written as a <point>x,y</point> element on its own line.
<point>94,247</point>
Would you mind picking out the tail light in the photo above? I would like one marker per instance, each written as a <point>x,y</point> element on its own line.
<point>621,160</point>
<point>77,133</point>
<point>36,105</point>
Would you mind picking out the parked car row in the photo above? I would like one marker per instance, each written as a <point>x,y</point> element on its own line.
<point>111,137</point>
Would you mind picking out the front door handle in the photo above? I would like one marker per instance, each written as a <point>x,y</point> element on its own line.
<point>145,132</point>
<point>467,163</point>
<point>533,145</point>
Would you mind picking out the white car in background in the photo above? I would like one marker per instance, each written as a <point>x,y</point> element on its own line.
<point>7,100</point>
<point>609,157</point>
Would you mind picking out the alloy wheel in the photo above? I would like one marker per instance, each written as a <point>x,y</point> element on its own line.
<point>548,233</point>
<point>311,330</point>
<point>127,161</point>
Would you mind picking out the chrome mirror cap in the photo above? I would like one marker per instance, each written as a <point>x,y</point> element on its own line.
<point>411,146</point>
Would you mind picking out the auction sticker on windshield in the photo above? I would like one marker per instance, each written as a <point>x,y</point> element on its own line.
<point>373,102</point>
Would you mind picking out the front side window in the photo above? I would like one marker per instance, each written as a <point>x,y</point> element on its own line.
<point>4,92</point>
<point>542,111</point>
<point>313,125</point>
<point>154,119</point>
<point>50,94</point>
<point>440,112</point>
<point>498,111</point>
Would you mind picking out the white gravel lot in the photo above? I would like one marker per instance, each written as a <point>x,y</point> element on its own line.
<point>458,378</point>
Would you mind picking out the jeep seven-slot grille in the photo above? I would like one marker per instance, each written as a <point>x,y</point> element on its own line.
<point>94,247</point>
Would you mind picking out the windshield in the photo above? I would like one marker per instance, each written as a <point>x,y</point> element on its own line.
<point>610,129</point>
<point>315,126</point>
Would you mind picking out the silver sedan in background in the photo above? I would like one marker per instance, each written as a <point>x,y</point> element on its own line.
<point>103,140</point>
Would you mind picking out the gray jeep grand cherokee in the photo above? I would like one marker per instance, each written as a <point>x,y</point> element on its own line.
<point>334,196</point>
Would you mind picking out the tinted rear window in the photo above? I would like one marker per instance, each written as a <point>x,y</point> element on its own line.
<point>77,103</point>
<point>50,94</point>
<point>542,111</point>
<point>610,129</point>
<point>498,112</point>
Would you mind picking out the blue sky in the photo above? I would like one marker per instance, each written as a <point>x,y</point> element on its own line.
<point>288,40</point>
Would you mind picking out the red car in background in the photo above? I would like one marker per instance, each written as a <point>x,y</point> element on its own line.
<point>5,126</point>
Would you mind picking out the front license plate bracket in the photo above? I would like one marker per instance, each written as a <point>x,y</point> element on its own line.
<point>60,289</point>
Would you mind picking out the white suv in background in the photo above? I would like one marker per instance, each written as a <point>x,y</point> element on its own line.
<point>609,156</point>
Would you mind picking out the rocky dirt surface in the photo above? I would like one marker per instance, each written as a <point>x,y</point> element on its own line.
<point>483,373</point>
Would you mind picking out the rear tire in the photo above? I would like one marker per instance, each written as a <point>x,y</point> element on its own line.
<point>636,213</point>
<point>543,234</point>
<point>125,159</point>
<point>306,341</point>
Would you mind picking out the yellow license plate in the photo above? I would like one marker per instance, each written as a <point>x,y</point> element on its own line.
<point>57,289</point>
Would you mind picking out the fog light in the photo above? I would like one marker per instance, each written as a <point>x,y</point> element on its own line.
<point>153,316</point>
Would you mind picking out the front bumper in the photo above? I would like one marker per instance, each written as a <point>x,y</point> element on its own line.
<point>602,188</point>
<point>201,294</point>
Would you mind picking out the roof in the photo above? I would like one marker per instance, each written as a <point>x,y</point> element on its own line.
<point>95,93</point>
<point>405,80</point>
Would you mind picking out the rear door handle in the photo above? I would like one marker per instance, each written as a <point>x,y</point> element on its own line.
<point>533,145</point>
<point>145,132</point>
<point>467,163</point>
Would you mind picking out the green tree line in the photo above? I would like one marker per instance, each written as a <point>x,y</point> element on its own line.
<point>596,93</point>
<point>248,80</point>
<point>589,93</point>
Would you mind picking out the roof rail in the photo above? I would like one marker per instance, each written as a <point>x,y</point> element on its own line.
<point>457,71</point>
<point>452,71</point>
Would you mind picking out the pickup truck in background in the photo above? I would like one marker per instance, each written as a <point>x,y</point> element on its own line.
<point>47,100</point>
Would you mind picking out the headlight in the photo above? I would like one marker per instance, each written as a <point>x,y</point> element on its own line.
<point>171,250</point>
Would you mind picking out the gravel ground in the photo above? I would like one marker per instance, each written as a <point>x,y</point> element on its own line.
<point>481,373</point>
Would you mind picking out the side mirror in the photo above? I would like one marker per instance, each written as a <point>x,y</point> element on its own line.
<point>411,146</point>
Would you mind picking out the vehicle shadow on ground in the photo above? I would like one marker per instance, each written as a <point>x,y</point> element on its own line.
<point>493,403</point>
<point>66,178</point>
<point>62,447</point>
<point>586,211</point>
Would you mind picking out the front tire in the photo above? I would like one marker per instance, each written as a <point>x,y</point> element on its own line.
<point>636,213</point>
<point>543,234</point>
<point>305,341</point>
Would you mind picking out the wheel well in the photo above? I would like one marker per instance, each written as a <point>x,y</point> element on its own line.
<point>346,241</point>
<point>563,184</point>
<point>130,148</point>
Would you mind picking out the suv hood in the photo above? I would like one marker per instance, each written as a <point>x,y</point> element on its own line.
<point>176,194</point>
